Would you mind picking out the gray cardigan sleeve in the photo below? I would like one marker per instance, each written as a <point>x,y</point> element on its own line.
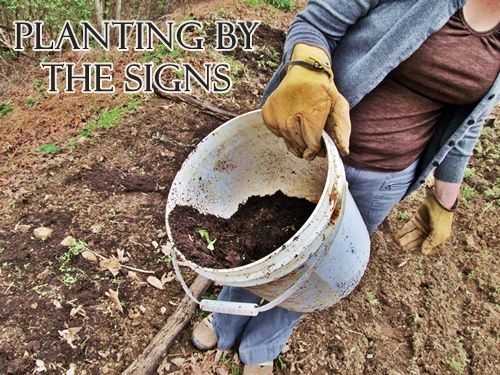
<point>324,22</point>
<point>452,168</point>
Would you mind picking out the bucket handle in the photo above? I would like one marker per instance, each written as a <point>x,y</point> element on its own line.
<point>239,308</point>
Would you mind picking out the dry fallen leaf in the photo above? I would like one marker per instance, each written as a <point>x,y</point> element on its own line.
<point>57,304</point>
<point>78,310</point>
<point>164,367</point>
<point>153,281</point>
<point>121,256</point>
<point>40,366</point>
<point>71,370</point>
<point>178,361</point>
<point>90,256</point>
<point>42,275</point>
<point>167,278</point>
<point>111,264</point>
<point>167,249</point>
<point>70,335</point>
<point>113,296</point>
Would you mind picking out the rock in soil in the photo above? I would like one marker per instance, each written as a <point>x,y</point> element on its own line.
<point>42,233</point>
<point>259,227</point>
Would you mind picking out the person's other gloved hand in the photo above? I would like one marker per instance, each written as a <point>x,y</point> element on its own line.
<point>429,228</point>
<point>305,101</point>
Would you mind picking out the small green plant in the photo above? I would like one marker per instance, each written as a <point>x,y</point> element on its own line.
<point>256,3</point>
<point>6,264</point>
<point>403,215</point>
<point>372,300</point>
<point>468,193</point>
<point>4,109</point>
<point>458,365</point>
<point>69,275</point>
<point>160,52</point>
<point>469,172</point>
<point>281,4</point>
<point>281,362</point>
<point>470,275</point>
<point>31,101</point>
<point>206,236</point>
<point>49,148</point>
<point>166,259</point>
<point>108,118</point>
<point>40,290</point>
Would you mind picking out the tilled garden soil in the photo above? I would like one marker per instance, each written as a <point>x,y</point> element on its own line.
<point>256,229</point>
<point>410,314</point>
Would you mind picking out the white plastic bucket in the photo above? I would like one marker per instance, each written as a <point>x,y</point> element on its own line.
<point>241,159</point>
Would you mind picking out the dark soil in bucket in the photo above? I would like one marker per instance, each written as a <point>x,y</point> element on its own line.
<point>260,226</point>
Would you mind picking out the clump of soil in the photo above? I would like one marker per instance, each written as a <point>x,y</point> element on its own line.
<point>258,227</point>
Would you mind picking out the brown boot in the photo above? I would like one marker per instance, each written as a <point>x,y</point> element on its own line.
<point>204,337</point>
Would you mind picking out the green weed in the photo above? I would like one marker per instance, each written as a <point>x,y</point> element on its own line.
<point>281,362</point>
<point>469,172</point>
<point>458,365</point>
<point>206,236</point>
<point>166,259</point>
<point>158,54</point>
<point>31,101</point>
<point>468,193</point>
<point>108,118</point>
<point>69,274</point>
<point>49,148</point>
<point>281,4</point>
<point>5,109</point>
<point>403,215</point>
<point>372,300</point>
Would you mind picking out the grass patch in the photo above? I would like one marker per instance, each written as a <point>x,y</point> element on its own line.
<point>49,148</point>
<point>5,109</point>
<point>159,53</point>
<point>281,4</point>
<point>468,193</point>
<point>108,118</point>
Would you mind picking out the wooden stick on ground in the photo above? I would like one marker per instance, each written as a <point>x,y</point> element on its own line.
<point>202,106</point>
<point>155,352</point>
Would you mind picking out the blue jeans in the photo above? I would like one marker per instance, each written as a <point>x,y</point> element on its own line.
<point>261,338</point>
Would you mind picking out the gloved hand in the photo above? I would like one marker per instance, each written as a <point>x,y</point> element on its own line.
<point>305,101</point>
<point>429,228</point>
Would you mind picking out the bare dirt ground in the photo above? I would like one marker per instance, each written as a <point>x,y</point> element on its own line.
<point>410,314</point>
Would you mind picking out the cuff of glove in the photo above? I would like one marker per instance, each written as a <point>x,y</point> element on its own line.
<point>432,195</point>
<point>313,58</point>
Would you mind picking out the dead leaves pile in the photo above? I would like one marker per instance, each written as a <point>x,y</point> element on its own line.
<point>200,363</point>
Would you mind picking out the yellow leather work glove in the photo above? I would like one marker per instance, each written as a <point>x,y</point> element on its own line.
<point>429,228</point>
<point>305,101</point>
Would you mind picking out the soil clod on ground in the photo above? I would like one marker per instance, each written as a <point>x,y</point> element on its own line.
<point>260,226</point>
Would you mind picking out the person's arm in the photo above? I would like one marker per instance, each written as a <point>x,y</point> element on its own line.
<point>324,22</point>
<point>307,99</point>
<point>446,193</point>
